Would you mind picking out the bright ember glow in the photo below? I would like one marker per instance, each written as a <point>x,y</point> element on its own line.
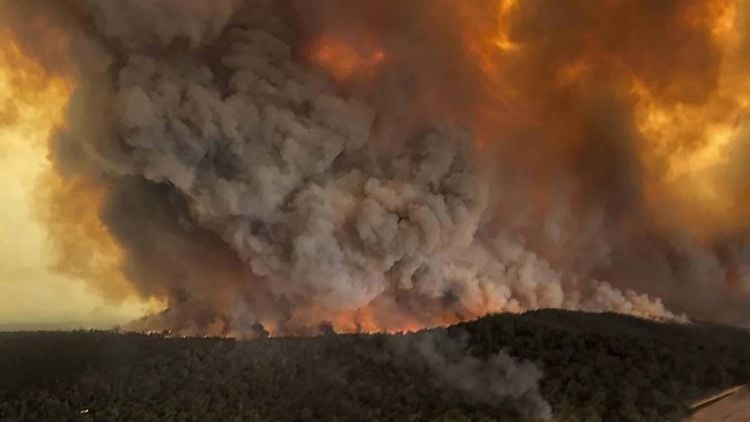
<point>344,61</point>
<point>301,182</point>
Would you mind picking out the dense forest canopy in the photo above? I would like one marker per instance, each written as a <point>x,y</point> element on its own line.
<point>585,367</point>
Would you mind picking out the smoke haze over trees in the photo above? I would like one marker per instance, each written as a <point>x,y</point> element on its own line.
<point>595,367</point>
<point>287,168</point>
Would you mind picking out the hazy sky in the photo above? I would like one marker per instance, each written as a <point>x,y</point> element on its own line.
<point>30,292</point>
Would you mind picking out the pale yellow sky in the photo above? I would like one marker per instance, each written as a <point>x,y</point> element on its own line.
<point>31,293</point>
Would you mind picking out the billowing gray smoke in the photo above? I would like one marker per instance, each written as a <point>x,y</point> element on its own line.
<point>496,380</point>
<point>269,158</point>
<point>274,164</point>
<point>253,192</point>
<point>293,166</point>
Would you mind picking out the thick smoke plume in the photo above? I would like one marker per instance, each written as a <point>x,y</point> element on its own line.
<point>383,165</point>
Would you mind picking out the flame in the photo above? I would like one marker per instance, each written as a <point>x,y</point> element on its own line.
<point>344,61</point>
<point>512,78</point>
<point>369,320</point>
<point>686,141</point>
<point>381,316</point>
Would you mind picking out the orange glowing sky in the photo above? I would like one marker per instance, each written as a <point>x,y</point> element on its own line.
<point>686,148</point>
<point>32,293</point>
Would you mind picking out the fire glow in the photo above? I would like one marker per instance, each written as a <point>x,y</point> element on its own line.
<point>342,60</point>
<point>456,159</point>
<point>61,238</point>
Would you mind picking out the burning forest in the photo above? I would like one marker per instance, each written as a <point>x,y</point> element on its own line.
<point>283,166</point>
<point>415,174</point>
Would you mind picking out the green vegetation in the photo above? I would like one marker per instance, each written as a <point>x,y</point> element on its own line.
<point>596,367</point>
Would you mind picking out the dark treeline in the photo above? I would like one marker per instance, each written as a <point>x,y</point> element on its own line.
<point>609,367</point>
<point>597,367</point>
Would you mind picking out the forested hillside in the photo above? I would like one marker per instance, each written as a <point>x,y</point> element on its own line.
<point>573,366</point>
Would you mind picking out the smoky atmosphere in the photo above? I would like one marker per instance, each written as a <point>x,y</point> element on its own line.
<point>355,210</point>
